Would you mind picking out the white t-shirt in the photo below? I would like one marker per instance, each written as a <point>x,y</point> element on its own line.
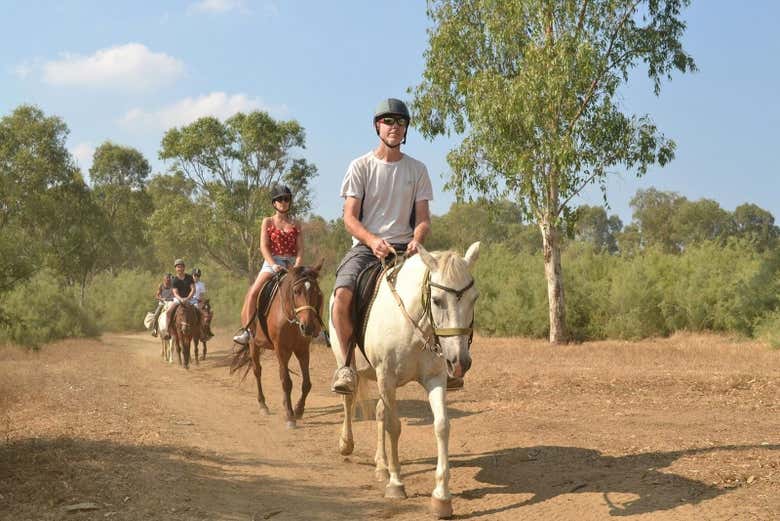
<point>388,192</point>
<point>200,290</point>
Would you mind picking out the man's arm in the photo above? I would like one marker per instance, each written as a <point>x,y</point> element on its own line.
<point>354,227</point>
<point>422,226</point>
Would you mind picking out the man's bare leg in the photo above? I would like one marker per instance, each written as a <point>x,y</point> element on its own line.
<point>344,379</point>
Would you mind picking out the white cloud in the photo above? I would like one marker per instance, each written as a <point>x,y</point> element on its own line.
<point>131,66</point>
<point>217,6</point>
<point>83,153</point>
<point>217,104</point>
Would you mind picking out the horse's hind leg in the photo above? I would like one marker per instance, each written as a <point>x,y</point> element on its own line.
<point>186,348</point>
<point>204,350</point>
<point>284,375</point>
<point>195,343</point>
<point>258,370</point>
<point>303,360</point>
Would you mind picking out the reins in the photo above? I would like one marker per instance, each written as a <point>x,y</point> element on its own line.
<point>430,341</point>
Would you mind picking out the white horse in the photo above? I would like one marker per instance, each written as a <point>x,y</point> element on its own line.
<point>162,330</point>
<point>419,329</point>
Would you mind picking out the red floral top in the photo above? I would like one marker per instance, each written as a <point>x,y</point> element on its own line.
<point>284,243</point>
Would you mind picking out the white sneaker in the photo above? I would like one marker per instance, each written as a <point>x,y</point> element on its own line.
<point>344,380</point>
<point>243,338</point>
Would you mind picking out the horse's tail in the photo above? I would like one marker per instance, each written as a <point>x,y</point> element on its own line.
<point>241,358</point>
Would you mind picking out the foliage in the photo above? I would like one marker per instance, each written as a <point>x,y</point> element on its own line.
<point>531,85</point>
<point>41,310</point>
<point>233,166</point>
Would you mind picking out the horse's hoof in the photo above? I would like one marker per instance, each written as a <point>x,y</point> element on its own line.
<point>264,409</point>
<point>291,424</point>
<point>346,446</point>
<point>441,508</point>
<point>381,475</point>
<point>393,491</point>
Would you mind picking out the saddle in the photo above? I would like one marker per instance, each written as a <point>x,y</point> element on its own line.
<point>366,286</point>
<point>264,299</point>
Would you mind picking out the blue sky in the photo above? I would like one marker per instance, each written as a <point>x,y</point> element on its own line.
<point>126,71</point>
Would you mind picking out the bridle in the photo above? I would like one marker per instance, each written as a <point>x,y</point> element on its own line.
<point>293,318</point>
<point>428,310</point>
<point>430,341</point>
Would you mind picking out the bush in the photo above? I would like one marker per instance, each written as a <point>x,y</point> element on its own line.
<point>768,329</point>
<point>44,309</point>
<point>119,301</point>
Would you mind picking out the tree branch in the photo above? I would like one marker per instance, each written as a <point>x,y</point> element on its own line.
<point>606,68</point>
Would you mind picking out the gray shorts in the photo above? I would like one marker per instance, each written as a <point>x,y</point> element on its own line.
<point>354,262</point>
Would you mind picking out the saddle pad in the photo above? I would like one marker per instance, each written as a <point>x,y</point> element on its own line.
<point>365,291</point>
<point>264,299</point>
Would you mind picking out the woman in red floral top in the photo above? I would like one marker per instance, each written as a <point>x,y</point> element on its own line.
<point>281,243</point>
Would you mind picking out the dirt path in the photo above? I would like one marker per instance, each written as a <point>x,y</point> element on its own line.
<point>684,428</point>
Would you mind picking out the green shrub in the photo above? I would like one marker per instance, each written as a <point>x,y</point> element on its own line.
<point>768,329</point>
<point>44,309</point>
<point>119,301</point>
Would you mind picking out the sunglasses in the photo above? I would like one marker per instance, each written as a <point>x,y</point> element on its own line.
<point>390,121</point>
<point>285,199</point>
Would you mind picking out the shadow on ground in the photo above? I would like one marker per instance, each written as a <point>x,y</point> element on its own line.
<point>545,472</point>
<point>39,478</point>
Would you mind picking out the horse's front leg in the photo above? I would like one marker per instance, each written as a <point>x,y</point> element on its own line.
<point>195,343</point>
<point>303,360</point>
<point>380,458</point>
<point>346,441</point>
<point>283,356</point>
<point>186,348</point>
<point>204,349</point>
<point>392,424</point>
<point>441,499</point>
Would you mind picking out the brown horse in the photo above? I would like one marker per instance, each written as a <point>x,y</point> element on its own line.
<point>202,334</point>
<point>293,320</point>
<point>186,326</point>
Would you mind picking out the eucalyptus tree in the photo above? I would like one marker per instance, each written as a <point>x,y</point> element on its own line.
<point>234,164</point>
<point>37,178</point>
<point>118,175</point>
<point>530,86</point>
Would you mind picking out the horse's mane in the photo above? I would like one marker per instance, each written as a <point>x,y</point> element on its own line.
<point>451,265</point>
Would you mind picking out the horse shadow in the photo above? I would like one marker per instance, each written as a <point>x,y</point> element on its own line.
<point>416,412</point>
<point>545,472</point>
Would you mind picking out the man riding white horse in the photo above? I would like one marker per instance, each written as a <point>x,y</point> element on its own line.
<point>386,196</point>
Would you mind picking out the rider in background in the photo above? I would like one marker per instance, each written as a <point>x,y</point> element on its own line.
<point>164,293</point>
<point>183,290</point>
<point>386,196</point>
<point>281,244</point>
<point>199,300</point>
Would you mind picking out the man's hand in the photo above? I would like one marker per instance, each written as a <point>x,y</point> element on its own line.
<point>411,248</point>
<point>380,247</point>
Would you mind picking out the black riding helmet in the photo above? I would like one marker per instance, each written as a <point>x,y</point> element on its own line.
<point>280,191</point>
<point>392,107</point>
<point>196,271</point>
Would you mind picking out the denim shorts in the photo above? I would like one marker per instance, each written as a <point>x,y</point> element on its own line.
<point>283,261</point>
<point>355,261</point>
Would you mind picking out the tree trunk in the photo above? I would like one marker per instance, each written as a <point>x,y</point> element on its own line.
<point>551,246</point>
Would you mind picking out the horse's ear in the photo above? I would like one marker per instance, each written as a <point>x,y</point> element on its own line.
<point>317,267</point>
<point>472,254</point>
<point>428,259</point>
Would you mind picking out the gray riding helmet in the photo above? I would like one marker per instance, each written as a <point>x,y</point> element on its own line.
<point>391,106</point>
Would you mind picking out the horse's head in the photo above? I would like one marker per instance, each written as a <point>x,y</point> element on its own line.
<point>450,297</point>
<point>306,297</point>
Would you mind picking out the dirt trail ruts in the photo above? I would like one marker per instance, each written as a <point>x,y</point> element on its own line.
<point>681,428</point>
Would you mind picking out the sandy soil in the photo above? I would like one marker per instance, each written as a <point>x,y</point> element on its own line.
<point>683,428</point>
